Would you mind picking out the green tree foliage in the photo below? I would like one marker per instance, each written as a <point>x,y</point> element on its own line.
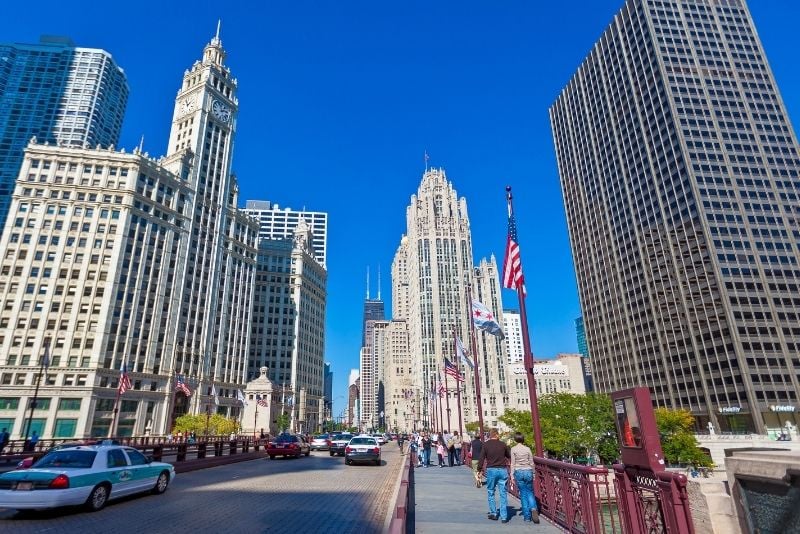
<point>678,442</point>
<point>218,425</point>
<point>573,426</point>
<point>472,427</point>
<point>283,421</point>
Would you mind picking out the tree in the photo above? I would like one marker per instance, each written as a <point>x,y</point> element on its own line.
<point>283,421</point>
<point>218,425</point>
<point>572,425</point>
<point>678,442</point>
<point>472,427</point>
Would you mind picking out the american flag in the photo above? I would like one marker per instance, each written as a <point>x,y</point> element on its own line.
<point>451,370</point>
<point>512,268</point>
<point>181,386</point>
<point>262,401</point>
<point>440,387</point>
<point>124,379</point>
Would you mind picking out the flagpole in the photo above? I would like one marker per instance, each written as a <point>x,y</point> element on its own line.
<point>439,396</point>
<point>116,413</point>
<point>36,390</point>
<point>527,356</point>
<point>447,398</point>
<point>458,384</point>
<point>474,347</point>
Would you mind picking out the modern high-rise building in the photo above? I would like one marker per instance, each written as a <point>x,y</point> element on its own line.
<point>432,269</point>
<point>353,405</point>
<point>101,257</point>
<point>60,94</point>
<point>327,378</point>
<point>512,328</point>
<point>679,170</point>
<point>583,349</point>
<point>280,223</point>
<point>288,328</point>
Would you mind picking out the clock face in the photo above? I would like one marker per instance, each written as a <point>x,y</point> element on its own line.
<point>188,104</point>
<point>220,111</point>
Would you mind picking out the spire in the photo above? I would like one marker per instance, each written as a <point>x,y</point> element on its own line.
<point>213,52</point>
<point>379,281</point>
<point>367,282</point>
<point>219,23</point>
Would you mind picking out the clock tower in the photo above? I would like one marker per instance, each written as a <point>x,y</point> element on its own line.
<point>203,125</point>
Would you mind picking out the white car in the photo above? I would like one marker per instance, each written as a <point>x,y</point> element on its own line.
<point>380,437</point>
<point>87,475</point>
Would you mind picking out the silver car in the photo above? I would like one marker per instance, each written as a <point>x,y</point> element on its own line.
<point>320,442</point>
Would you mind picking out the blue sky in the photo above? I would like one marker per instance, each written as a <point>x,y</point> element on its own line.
<point>340,100</point>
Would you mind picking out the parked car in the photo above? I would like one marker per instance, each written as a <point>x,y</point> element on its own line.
<point>288,445</point>
<point>320,443</point>
<point>86,475</point>
<point>380,438</point>
<point>362,449</point>
<point>338,443</point>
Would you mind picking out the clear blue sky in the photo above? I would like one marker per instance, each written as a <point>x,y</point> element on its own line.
<point>339,101</point>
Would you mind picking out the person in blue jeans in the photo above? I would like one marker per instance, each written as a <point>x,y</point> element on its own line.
<point>522,468</point>
<point>495,454</point>
<point>426,450</point>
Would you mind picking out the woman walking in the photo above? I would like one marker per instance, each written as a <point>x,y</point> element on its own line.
<point>441,451</point>
<point>522,469</point>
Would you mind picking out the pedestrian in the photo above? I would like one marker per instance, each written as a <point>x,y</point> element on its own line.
<point>455,450</point>
<point>4,439</point>
<point>426,450</point>
<point>495,453</point>
<point>441,450</point>
<point>400,442</point>
<point>475,447</point>
<point>523,471</point>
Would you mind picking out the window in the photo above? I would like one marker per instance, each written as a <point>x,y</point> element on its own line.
<point>69,404</point>
<point>65,428</point>
<point>116,458</point>
<point>9,403</point>
<point>136,457</point>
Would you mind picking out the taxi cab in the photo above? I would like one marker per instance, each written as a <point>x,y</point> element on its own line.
<point>86,475</point>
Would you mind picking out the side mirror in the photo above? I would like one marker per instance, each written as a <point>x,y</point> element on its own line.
<point>149,459</point>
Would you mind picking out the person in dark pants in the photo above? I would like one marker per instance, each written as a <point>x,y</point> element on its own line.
<point>496,454</point>
<point>426,450</point>
<point>475,447</point>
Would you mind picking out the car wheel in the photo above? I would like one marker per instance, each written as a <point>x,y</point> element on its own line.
<point>347,461</point>
<point>331,453</point>
<point>97,498</point>
<point>378,461</point>
<point>308,453</point>
<point>161,483</point>
<point>271,456</point>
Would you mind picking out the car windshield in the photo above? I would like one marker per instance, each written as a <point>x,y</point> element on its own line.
<point>362,441</point>
<point>67,458</point>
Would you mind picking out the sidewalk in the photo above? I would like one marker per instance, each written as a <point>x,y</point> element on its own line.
<point>448,501</point>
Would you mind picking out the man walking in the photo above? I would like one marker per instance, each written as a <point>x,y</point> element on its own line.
<point>496,453</point>
<point>426,450</point>
<point>475,452</point>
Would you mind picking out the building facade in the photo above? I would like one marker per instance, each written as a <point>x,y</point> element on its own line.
<point>512,327</point>
<point>327,377</point>
<point>59,94</point>
<point>279,223</point>
<point>399,401</point>
<point>432,271</point>
<point>97,260</point>
<point>564,374</point>
<point>679,170</point>
<point>288,328</point>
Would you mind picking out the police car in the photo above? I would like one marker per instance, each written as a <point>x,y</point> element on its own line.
<point>86,475</point>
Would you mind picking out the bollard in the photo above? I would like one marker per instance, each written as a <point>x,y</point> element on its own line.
<point>217,448</point>
<point>201,450</point>
<point>158,452</point>
<point>181,452</point>
<point>233,447</point>
<point>246,445</point>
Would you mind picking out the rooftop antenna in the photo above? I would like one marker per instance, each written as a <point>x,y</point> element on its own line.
<point>379,281</point>
<point>141,144</point>
<point>219,23</point>
<point>427,157</point>
<point>367,282</point>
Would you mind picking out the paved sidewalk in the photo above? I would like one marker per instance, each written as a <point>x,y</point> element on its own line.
<point>448,501</point>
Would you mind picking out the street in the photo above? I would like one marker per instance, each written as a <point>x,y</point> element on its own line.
<point>314,494</point>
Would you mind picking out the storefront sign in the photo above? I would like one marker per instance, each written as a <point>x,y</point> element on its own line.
<point>730,409</point>
<point>542,370</point>
<point>782,408</point>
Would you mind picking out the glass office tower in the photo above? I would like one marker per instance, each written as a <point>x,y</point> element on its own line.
<point>679,171</point>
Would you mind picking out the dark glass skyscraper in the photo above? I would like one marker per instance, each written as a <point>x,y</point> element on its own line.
<point>679,170</point>
<point>60,94</point>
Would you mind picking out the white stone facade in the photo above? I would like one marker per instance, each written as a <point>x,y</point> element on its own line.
<point>512,327</point>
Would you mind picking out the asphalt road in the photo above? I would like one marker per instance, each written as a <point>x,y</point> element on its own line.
<point>314,494</point>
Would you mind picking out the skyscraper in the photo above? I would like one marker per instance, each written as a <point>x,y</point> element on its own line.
<point>60,94</point>
<point>679,170</point>
<point>103,252</point>
<point>280,223</point>
<point>288,329</point>
<point>328,390</point>
<point>373,310</point>
<point>512,327</point>
<point>432,268</point>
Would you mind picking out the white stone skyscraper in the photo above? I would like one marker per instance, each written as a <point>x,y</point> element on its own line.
<point>119,258</point>
<point>435,260</point>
